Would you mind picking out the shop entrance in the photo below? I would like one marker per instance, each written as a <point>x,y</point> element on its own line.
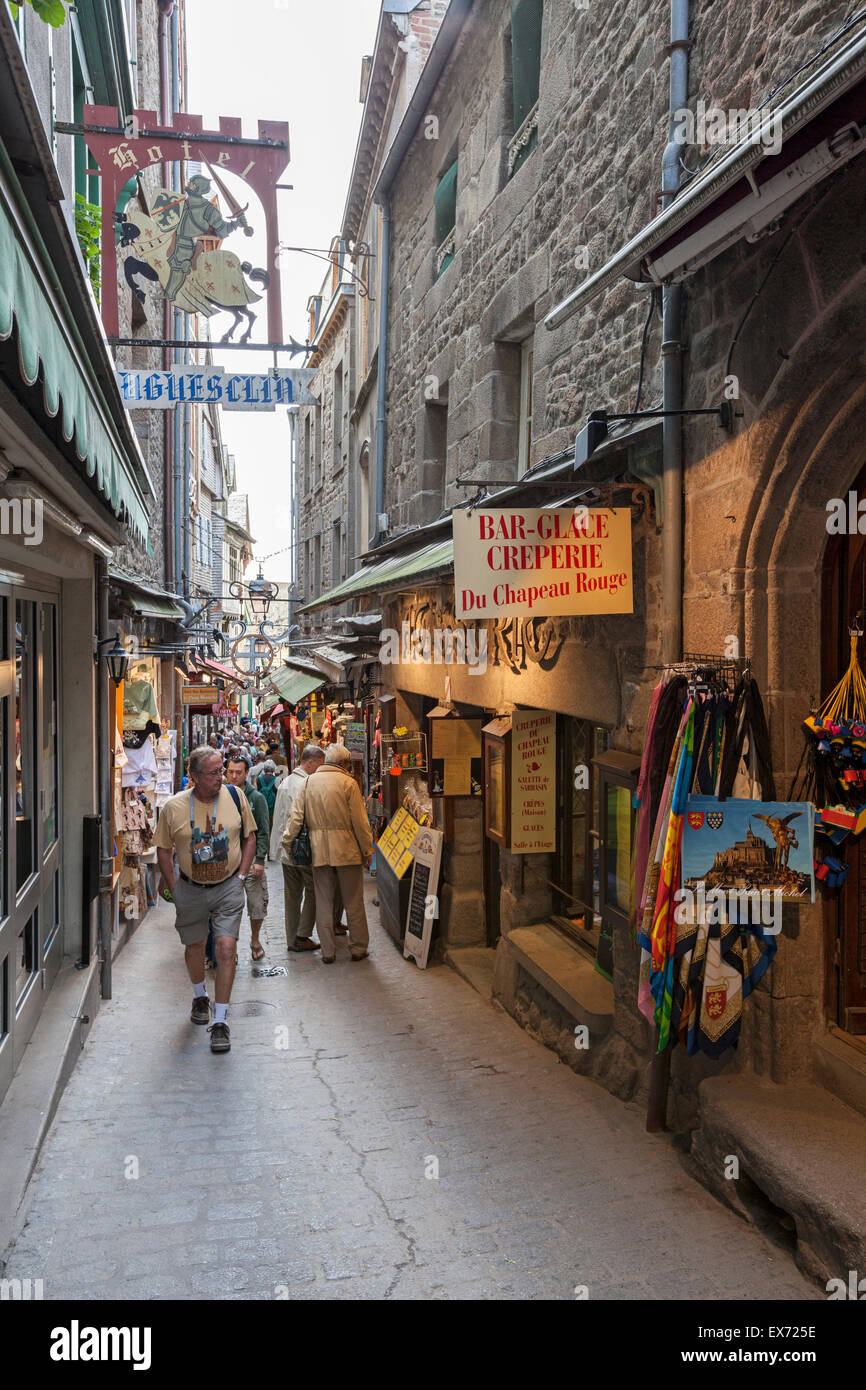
<point>844,597</point>
<point>30,937</point>
<point>492,889</point>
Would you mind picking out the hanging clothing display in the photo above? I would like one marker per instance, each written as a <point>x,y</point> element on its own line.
<point>139,770</point>
<point>139,705</point>
<point>697,966</point>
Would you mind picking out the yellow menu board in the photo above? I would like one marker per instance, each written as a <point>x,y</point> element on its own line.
<point>395,842</point>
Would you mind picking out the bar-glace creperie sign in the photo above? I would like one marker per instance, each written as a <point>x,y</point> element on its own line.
<point>535,562</point>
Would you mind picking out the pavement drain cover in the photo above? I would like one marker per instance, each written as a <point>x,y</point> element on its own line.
<point>253,1008</point>
<point>274,970</point>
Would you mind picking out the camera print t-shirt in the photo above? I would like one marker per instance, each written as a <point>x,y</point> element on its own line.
<point>214,839</point>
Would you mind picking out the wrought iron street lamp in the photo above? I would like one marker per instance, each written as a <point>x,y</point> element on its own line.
<point>118,662</point>
<point>260,593</point>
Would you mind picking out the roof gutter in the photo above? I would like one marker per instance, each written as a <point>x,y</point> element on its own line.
<point>743,161</point>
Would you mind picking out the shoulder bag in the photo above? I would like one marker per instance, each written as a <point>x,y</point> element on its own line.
<point>302,849</point>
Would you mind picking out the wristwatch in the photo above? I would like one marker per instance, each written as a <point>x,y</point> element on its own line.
<point>242,877</point>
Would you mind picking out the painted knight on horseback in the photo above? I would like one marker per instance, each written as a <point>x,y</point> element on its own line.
<point>168,249</point>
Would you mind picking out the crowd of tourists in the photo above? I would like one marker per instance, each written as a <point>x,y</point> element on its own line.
<point>238,808</point>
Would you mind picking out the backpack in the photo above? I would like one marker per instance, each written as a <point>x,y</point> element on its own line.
<point>233,793</point>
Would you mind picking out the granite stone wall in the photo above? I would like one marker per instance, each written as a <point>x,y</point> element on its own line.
<point>326,489</point>
<point>783,315</point>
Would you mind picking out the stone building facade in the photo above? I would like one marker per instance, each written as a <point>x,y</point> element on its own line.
<point>335,465</point>
<point>543,196</point>
<point>325,490</point>
<point>69,446</point>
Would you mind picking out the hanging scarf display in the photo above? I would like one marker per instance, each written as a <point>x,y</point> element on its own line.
<point>696,966</point>
<point>647,906</point>
<point>663,930</point>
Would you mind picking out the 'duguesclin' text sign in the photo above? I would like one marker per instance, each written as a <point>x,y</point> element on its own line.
<point>534,562</point>
<point>206,385</point>
<point>533,781</point>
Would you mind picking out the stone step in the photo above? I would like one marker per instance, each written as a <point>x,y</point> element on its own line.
<point>566,974</point>
<point>841,1067</point>
<point>475,965</point>
<point>802,1152</point>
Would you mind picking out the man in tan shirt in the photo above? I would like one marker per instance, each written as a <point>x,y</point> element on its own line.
<point>212,831</point>
<point>342,847</point>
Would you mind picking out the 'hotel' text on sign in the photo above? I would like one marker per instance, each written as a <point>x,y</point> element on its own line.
<point>510,564</point>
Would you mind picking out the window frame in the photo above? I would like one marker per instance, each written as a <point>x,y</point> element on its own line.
<point>524,437</point>
<point>524,112</point>
<point>445,237</point>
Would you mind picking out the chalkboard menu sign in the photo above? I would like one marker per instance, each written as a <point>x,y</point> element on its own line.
<point>418,901</point>
<point>423,895</point>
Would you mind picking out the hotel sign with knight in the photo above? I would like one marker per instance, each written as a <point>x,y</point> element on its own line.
<point>172,241</point>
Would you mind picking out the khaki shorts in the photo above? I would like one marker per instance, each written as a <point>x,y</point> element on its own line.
<point>221,904</point>
<point>257,897</point>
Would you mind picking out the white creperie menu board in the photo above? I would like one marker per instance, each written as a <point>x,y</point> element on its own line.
<point>533,782</point>
<point>534,562</point>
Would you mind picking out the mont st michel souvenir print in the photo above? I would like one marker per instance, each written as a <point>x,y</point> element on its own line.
<point>209,851</point>
<point>746,846</point>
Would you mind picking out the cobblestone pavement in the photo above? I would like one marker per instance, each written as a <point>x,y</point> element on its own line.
<point>300,1171</point>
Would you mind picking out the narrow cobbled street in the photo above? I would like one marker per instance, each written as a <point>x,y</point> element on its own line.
<point>307,1170</point>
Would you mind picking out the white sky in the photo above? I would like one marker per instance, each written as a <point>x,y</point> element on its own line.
<point>300,62</point>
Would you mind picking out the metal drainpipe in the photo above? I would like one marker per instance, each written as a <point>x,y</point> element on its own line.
<point>104,744</point>
<point>672,363</point>
<point>165,67</point>
<point>384,286</point>
<point>672,454</point>
<point>179,534</point>
<point>294,518</point>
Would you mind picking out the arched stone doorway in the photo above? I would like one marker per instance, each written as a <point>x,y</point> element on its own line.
<point>806,446</point>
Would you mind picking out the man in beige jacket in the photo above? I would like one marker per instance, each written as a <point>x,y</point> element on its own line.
<point>342,847</point>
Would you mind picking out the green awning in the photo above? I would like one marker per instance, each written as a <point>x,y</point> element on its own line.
<point>156,607</point>
<point>414,565</point>
<point>150,603</point>
<point>44,340</point>
<point>292,685</point>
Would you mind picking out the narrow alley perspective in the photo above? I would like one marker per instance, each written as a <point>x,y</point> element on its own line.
<point>432,676</point>
<point>375,1133</point>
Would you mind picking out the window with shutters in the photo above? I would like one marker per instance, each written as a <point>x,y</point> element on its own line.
<point>445,208</point>
<point>526,16</point>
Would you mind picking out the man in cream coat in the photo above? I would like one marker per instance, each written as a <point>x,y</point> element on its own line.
<point>297,879</point>
<point>342,847</point>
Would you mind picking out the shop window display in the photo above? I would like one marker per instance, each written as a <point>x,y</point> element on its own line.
<point>25,742</point>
